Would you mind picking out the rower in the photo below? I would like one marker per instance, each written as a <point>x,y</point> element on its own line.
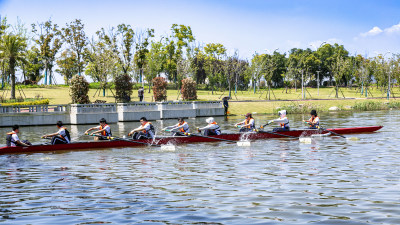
<point>104,130</point>
<point>144,131</point>
<point>180,128</point>
<point>248,124</point>
<point>12,139</point>
<point>61,136</point>
<point>313,122</point>
<point>211,129</point>
<point>283,121</point>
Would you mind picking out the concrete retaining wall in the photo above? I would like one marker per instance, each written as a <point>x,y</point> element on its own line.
<point>29,119</point>
<point>92,113</point>
<point>113,113</point>
<point>134,111</point>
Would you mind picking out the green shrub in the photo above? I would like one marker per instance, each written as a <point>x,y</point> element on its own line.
<point>79,90</point>
<point>369,106</point>
<point>393,105</point>
<point>188,89</point>
<point>123,88</point>
<point>295,108</point>
<point>159,89</point>
<point>38,102</point>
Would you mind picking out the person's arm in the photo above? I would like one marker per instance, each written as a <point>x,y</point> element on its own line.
<point>209,126</point>
<point>177,127</point>
<point>284,120</point>
<point>50,135</point>
<point>136,130</point>
<point>21,143</point>
<point>99,131</point>
<point>87,131</point>
<point>240,123</point>
<point>170,127</point>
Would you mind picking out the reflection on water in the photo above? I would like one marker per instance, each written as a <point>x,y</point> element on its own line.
<point>330,181</point>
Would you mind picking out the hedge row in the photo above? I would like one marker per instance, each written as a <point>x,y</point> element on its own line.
<point>38,102</point>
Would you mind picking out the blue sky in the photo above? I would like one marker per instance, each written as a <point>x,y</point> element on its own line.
<point>367,27</point>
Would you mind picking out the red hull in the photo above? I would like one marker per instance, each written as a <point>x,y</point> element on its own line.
<point>181,140</point>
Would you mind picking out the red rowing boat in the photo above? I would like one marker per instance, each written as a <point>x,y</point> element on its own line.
<point>185,139</point>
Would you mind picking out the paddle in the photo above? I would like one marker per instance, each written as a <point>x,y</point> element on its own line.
<point>239,143</point>
<point>163,147</point>
<point>334,133</point>
<point>283,135</point>
<point>303,140</point>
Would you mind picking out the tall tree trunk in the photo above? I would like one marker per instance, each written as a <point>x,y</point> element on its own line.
<point>337,91</point>
<point>12,71</point>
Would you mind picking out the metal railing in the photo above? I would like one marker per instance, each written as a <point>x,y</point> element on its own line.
<point>34,108</point>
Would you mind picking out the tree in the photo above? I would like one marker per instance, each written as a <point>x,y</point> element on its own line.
<point>256,68</point>
<point>123,88</point>
<point>339,68</point>
<point>198,64</point>
<point>142,42</point>
<point>3,27</point>
<point>32,67</point>
<point>214,64</point>
<point>48,39</point>
<point>159,89</point>
<point>102,60</point>
<point>68,64</point>
<point>175,46</point>
<point>124,44</point>
<point>155,62</point>
<point>79,89</point>
<point>74,35</point>
<point>13,47</point>
<point>189,89</point>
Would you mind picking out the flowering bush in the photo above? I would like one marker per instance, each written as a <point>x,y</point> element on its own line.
<point>159,89</point>
<point>78,90</point>
<point>188,89</point>
<point>123,88</point>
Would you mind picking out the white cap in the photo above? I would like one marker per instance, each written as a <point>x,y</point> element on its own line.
<point>210,120</point>
<point>282,113</point>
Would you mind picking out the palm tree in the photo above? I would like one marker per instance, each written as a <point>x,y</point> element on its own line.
<point>13,48</point>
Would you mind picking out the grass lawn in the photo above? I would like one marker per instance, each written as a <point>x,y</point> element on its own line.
<point>259,104</point>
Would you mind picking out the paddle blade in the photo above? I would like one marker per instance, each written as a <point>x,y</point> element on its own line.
<point>243,143</point>
<point>320,135</point>
<point>305,140</point>
<point>167,147</point>
<point>353,139</point>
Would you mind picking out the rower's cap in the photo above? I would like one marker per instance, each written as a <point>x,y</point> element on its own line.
<point>248,115</point>
<point>282,113</point>
<point>210,120</point>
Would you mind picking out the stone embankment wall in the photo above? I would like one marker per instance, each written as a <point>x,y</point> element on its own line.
<point>113,112</point>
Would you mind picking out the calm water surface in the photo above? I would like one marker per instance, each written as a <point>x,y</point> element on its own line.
<point>330,181</point>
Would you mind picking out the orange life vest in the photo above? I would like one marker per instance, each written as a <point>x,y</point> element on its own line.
<point>312,121</point>
<point>217,130</point>
<point>9,138</point>
<point>247,122</point>
<point>104,132</point>
<point>65,129</point>
<point>284,125</point>
<point>182,129</point>
<point>145,131</point>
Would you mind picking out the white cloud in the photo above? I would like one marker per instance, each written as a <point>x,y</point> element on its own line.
<point>393,29</point>
<point>373,32</point>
